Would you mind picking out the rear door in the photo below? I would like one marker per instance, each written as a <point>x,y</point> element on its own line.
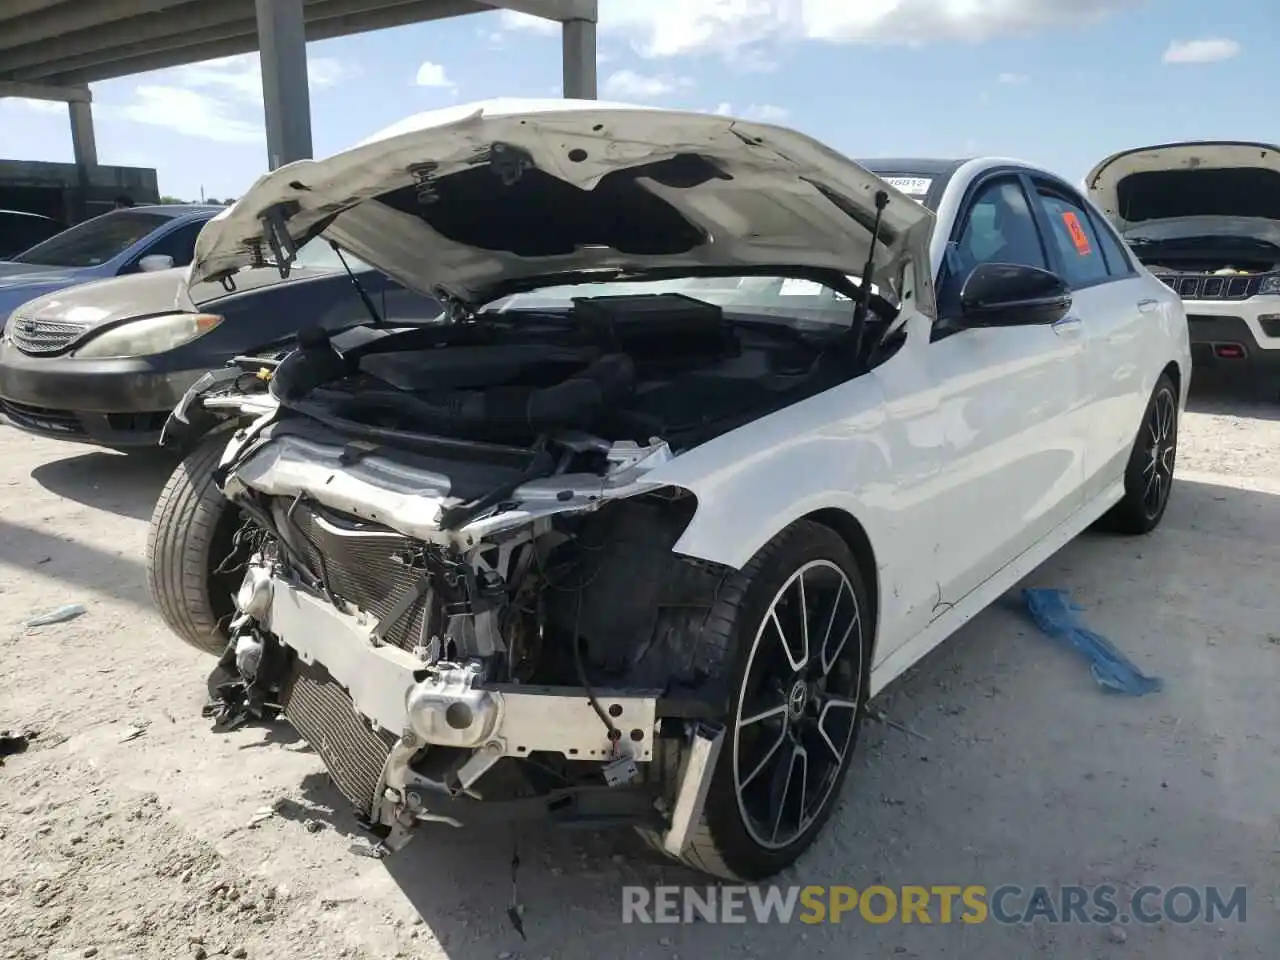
<point>1113,303</point>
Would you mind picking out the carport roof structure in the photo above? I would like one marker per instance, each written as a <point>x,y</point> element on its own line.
<point>52,49</point>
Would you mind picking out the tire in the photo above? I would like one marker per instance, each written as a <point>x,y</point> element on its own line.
<point>1151,462</point>
<point>192,531</point>
<point>739,633</point>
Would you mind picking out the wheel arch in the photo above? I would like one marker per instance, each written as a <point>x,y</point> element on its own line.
<point>852,532</point>
<point>721,535</point>
<point>1174,371</point>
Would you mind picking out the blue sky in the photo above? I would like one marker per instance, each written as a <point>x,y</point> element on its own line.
<point>1058,82</point>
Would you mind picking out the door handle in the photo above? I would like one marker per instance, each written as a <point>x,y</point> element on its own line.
<point>1148,306</point>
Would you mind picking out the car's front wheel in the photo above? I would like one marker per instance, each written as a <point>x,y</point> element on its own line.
<point>796,647</point>
<point>193,530</point>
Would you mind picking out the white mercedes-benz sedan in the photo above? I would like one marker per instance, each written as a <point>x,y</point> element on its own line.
<point>724,431</point>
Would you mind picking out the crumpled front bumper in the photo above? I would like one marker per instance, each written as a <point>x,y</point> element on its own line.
<point>444,704</point>
<point>409,705</point>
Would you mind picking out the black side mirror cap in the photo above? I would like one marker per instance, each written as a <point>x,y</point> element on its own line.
<point>1013,295</point>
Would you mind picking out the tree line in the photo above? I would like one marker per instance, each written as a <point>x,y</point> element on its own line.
<point>217,203</point>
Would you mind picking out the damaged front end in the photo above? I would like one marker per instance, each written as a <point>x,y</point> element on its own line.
<point>461,582</point>
<point>527,645</point>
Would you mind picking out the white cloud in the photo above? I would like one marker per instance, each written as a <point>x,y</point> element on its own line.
<point>433,75</point>
<point>1208,50</point>
<point>40,106</point>
<point>628,83</point>
<point>768,113</point>
<point>764,112</point>
<point>329,72</point>
<point>740,30</point>
<point>191,113</point>
<point>510,20</point>
<point>906,21</point>
<point>217,99</point>
<point>241,76</point>
<point>1013,79</point>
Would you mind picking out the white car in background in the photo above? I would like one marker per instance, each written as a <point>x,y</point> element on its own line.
<point>638,544</point>
<point>1204,216</point>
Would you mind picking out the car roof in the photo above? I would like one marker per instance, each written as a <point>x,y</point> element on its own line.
<point>924,166</point>
<point>26,213</point>
<point>176,210</point>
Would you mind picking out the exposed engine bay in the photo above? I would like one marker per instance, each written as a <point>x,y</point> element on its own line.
<point>1217,263</point>
<point>1210,267</point>
<point>455,574</point>
<point>625,368</point>
<point>1203,217</point>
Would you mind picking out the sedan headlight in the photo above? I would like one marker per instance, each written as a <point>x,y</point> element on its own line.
<point>1270,286</point>
<point>141,338</point>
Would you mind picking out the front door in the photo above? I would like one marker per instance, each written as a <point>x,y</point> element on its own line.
<point>1005,413</point>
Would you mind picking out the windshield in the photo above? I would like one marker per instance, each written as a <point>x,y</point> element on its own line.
<point>318,254</point>
<point>95,241</point>
<point>775,298</point>
<point>314,257</point>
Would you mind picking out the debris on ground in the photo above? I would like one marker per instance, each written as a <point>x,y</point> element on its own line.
<point>1055,614</point>
<point>60,615</point>
<point>263,814</point>
<point>879,716</point>
<point>12,742</point>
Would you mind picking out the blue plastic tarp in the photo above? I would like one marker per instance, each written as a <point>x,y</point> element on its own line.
<point>1056,615</point>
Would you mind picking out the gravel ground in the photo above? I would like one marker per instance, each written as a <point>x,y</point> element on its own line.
<point>128,829</point>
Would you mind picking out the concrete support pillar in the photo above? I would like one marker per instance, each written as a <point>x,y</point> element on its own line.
<point>579,54</point>
<point>83,143</point>
<point>84,147</point>
<point>282,42</point>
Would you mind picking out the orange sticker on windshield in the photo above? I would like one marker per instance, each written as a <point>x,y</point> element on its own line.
<point>1078,236</point>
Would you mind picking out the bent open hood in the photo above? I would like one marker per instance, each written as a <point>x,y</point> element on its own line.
<point>485,199</point>
<point>1226,179</point>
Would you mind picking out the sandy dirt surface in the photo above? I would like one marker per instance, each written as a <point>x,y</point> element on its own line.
<point>128,829</point>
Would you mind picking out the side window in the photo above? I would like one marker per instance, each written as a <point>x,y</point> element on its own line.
<point>180,244</point>
<point>1118,263</point>
<point>998,228</point>
<point>1078,245</point>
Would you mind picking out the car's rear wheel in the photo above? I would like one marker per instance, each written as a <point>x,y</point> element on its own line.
<point>1148,478</point>
<point>192,533</point>
<point>796,645</point>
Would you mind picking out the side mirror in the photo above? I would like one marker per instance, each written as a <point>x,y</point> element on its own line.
<point>1013,295</point>
<point>154,262</point>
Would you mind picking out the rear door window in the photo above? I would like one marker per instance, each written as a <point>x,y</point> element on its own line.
<point>1118,263</point>
<point>1073,234</point>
